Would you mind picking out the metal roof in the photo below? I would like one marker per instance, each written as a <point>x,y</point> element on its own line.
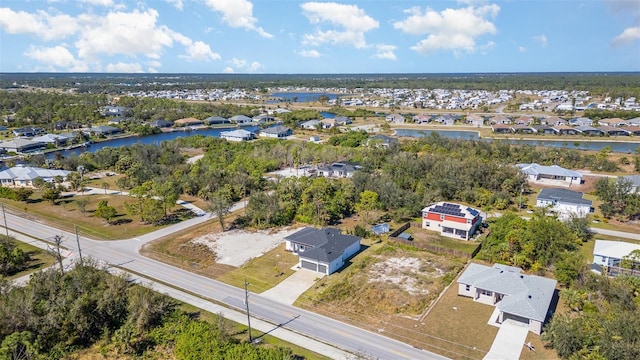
<point>555,170</point>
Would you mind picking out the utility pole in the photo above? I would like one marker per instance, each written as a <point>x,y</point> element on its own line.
<point>4,215</point>
<point>521,191</point>
<point>246,302</point>
<point>78,241</point>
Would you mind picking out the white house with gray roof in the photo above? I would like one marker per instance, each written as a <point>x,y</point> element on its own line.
<point>322,250</point>
<point>565,203</point>
<point>520,297</point>
<point>237,135</point>
<point>24,176</point>
<point>550,175</point>
<point>611,253</point>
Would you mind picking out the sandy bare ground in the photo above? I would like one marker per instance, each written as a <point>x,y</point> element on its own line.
<point>403,272</point>
<point>236,247</point>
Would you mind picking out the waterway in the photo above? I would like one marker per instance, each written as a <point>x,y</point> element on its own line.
<point>154,139</point>
<point>300,96</point>
<point>616,146</point>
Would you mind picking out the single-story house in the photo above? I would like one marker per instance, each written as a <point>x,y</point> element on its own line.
<point>187,122</point>
<point>581,121</point>
<point>381,141</point>
<point>589,130</point>
<point>520,297</point>
<point>566,130</point>
<point>262,118</point>
<point>344,169</point>
<point>451,220</point>
<point>65,125</point>
<point>241,119</point>
<point>24,176</point>
<point>565,203</point>
<point>553,121</point>
<point>614,131</point>
<point>523,120</point>
<point>310,124</point>
<point>634,130</point>
<point>277,131</point>
<point>544,129</point>
<point>614,122</point>
<point>57,140</point>
<point>28,131</point>
<point>216,120</point>
<point>635,182</point>
<point>21,145</point>
<point>501,129</point>
<point>633,122</point>
<point>475,120</point>
<point>160,123</point>
<point>611,253</point>
<point>237,135</point>
<point>103,130</point>
<point>523,129</point>
<point>553,174</point>
<point>322,250</point>
<point>446,119</point>
<point>395,118</point>
<point>342,120</point>
<point>501,120</point>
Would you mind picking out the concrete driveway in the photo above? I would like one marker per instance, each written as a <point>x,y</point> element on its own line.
<point>509,342</point>
<point>292,287</point>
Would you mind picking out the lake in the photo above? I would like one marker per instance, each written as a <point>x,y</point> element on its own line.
<point>616,146</point>
<point>300,96</point>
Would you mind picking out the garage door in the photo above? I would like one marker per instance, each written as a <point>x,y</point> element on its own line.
<point>308,265</point>
<point>322,268</point>
<point>517,318</point>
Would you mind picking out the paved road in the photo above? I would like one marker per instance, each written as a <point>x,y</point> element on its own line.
<point>622,234</point>
<point>124,254</point>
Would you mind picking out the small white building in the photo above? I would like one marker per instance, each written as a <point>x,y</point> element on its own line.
<point>565,203</point>
<point>25,176</point>
<point>611,253</point>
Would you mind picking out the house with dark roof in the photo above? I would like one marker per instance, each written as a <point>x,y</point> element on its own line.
<point>102,130</point>
<point>342,120</point>
<point>566,130</point>
<point>344,169</point>
<point>278,132</point>
<point>554,174</point>
<point>28,131</point>
<point>589,130</point>
<point>615,131</point>
<point>516,296</point>
<point>322,250</point>
<point>501,129</point>
<point>160,123</point>
<point>216,120</point>
<point>565,203</point>
<point>451,220</point>
<point>545,129</point>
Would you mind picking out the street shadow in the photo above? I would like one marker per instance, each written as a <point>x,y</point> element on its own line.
<point>277,327</point>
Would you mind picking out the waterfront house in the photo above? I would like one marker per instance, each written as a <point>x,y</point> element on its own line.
<point>475,120</point>
<point>102,130</point>
<point>21,146</point>
<point>451,220</point>
<point>522,129</point>
<point>322,250</point>
<point>187,122</point>
<point>216,120</point>
<point>419,119</point>
<point>565,203</point>
<point>633,130</point>
<point>241,120</point>
<point>237,135</point>
<point>160,123</point>
<point>278,132</point>
<point>566,130</point>
<point>545,129</point>
<point>501,129</point>
<point>615,131</point>
<point>589,130</point>
<point>55,139</point>
<point>523,298</point>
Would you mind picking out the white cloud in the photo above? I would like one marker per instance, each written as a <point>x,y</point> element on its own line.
<point>450,29</point>
<point>228,70</point>
<point>384,51</point>
<point>199,51</point>
<point>243,66</point>
<point>97,2</point>
<point>522,49</point>
<point>238,63</point>
<point>237,14</point>
<point>629,35</point>
<point>114,34</point>
<point>121,67</point>
<point>255,67</point>
<point>57,56</point>
<point>41,24</point>
<point>351,23</point>
<point>310,53</point>
<point>178,4</point>
<point>542,39</point>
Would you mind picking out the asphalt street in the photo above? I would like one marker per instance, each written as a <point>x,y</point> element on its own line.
<point>124,254</point>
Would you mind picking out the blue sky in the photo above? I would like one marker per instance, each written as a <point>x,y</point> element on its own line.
<point>306,37</point>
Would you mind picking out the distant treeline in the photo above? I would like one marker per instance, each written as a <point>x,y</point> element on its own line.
<point>623,84</point>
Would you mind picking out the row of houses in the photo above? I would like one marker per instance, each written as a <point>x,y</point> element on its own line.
<point>566,130</point>
<point>23,145</point>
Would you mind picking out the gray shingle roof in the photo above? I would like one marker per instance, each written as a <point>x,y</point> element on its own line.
<point>563,196</point>
<point>555,170</point>
<point>327,244</point>
<point>528,296</point>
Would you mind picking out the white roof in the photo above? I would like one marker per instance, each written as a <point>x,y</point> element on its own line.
<point>555,170</point>
<point>240,133</point>
<point>30,173</point>
<point>614,249</point>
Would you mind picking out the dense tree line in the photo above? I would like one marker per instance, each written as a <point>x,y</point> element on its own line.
<point>12,258</point>
<point>614,84</point>
<point>56,314</point>
<point>603,320</point>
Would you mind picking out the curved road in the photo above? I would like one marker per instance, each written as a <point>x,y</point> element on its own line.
<point>125,255</point>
